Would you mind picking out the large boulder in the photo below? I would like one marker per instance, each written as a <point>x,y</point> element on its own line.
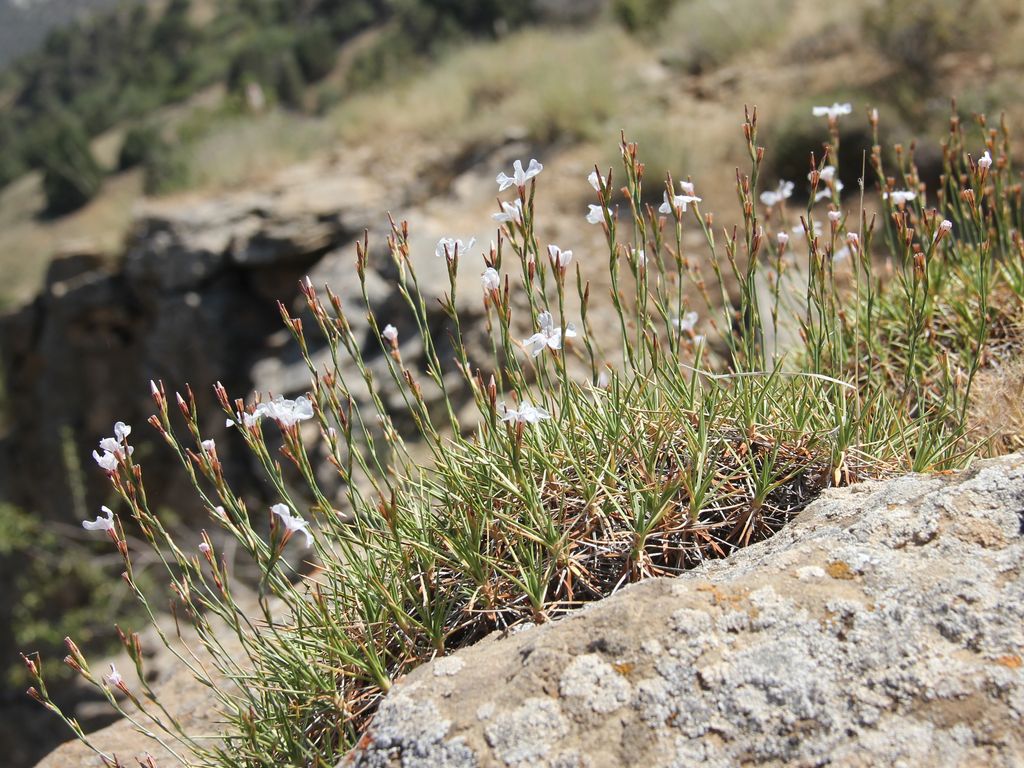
<point>883,626</point>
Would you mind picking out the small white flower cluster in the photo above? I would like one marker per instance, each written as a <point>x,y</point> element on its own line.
<point>549,336</point>
<point>115,449</point>
<point>511,213</point>
<point>287,413</point>
<point>526,413</point>
<point>519,177</point>
<point>833,112</point>
<point>679,203</point>
<point>900,197</point>
<point>450,247</point>
<point>784,191</point>
<point>687,322</point>
<point>827,175</point>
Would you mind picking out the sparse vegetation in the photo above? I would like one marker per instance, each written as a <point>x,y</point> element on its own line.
<point>589,463</point>
<point>667,464</point>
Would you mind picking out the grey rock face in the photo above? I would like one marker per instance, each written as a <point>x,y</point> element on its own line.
<point>194,301</point>
<point>884,626</point>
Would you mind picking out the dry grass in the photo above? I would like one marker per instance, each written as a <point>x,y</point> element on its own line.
<point>246,150</point>
<point>997,406</point>
<point>486,91</point>
<point>28,242</point>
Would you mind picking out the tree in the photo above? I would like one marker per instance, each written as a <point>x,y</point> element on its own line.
<point>71,175</point>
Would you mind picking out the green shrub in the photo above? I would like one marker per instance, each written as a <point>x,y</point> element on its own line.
<point>316,52</point>
<point>702,35</point>
<point>166,168</point>
<point>139,142</point>
<point>641,16</point>
<point>71,175</point>
<point>915,36</point>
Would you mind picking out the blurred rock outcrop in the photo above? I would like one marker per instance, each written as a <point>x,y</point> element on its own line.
<point>193,301</point>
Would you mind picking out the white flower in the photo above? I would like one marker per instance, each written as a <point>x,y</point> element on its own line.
<point>597,181</point>
<point>946,226</point>
<point>209,446</point>
<point>390,333</point>
<point>641,257</point>
<point>826,174</point>
<point>687,187</point>
<point>835,216</point>
<point>108,461</point>
<point>292,523</point>
<point>783,192</point>
<point>799,229</point>
<point>114,679</point>
<point>511,212</point>
<point>101,523</point>
<point>490,279</point>
<point>204,547</point>
<point>900,196</point>
<point>678,204</point>
<point>834,111</point>
<point>985,161</point>
<point>826,193</point>
<point>287,413</point>
<point>450,247</point>
<point>687,322</point>
<point>247,419</point>
<point>782,238</point>
<point>220,511</point>
<point>524,414</point>
<point>559,257</point>
<point>116,446</point>
<point>603,380</point>
<point>519,177</point>
<point>549,335</point>
<point>596,214</point>
<point>853,240</point>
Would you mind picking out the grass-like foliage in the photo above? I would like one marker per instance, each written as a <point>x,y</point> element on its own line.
<point>840,350</point>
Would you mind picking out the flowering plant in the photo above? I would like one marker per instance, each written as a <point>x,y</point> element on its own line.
<point>686,435</point>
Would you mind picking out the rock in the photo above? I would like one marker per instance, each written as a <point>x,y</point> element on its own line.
<point>194,301</point>
<point>883,626</point>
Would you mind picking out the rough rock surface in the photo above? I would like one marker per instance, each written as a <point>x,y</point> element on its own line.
<point>884,626</point>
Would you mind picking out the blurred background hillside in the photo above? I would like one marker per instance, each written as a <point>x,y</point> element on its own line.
<point>169,168</point>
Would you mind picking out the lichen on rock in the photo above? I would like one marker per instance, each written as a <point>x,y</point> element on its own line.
<point>909,652</point>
